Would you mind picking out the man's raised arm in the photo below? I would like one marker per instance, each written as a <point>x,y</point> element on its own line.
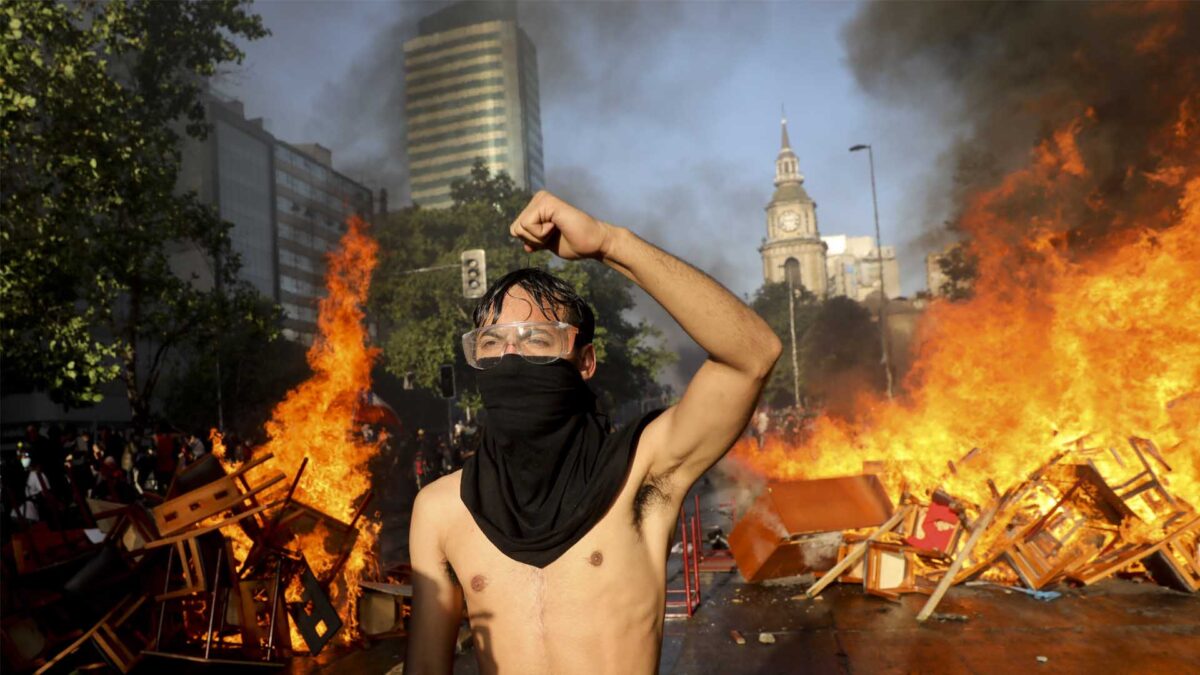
<point>742,348</point>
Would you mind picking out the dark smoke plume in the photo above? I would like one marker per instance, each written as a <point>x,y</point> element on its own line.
<point>1006,76</point>
<point>607,63</point>
<point>599,57</point>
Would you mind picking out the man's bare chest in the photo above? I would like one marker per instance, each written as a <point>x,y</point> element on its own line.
<point>613,560</point>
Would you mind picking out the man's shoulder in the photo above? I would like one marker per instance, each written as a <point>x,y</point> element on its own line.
<point>651,436</point>
<point>437,498</point>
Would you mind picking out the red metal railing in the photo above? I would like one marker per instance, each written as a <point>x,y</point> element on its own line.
<point>689,549</point>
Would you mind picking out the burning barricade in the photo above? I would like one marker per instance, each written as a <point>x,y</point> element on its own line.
<point>1067,521</point>
<point>246,561</point>
<point>1049,428</point>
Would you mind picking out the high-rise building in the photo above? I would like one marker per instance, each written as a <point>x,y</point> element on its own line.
<point>853,266</point>
<point>793,250</point>
<point>287,204</point>
<point>471,91</point>
<point>312,205</point>
<point>231,168</point>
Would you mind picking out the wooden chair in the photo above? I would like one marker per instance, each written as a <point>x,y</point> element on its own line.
<point>223,494</point>
<point>109,636</point>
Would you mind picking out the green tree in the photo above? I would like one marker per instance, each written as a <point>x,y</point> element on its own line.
<point>94,99</point>
<point>423,315</point>
<point>960,267</point>
<point>253,365</point>
<point>771,303</point>
<point>840,354</point>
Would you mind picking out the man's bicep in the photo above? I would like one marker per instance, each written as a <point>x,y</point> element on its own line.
<point>437,597</point>
<point>709,417</point>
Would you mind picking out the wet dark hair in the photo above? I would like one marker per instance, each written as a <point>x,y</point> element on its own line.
<point>553,295</point>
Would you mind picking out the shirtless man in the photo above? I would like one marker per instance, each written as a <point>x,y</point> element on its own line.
<point>559,576</point>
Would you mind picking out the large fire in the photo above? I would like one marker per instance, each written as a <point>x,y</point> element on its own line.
<point>316,421</point>
<point>1081,332</point>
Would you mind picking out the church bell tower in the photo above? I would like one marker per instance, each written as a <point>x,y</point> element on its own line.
<point>792,250</point>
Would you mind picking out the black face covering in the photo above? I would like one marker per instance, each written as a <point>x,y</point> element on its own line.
<point>546,470</point>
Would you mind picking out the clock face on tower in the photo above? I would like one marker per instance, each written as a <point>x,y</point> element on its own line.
<point>789,221</point>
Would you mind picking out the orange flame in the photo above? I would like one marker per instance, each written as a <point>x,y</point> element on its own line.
<point>315,420</point>
<point>1064,346</point>
<point>218,442</point>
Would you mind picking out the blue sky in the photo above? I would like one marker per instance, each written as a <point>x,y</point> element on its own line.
<point>663,117</point>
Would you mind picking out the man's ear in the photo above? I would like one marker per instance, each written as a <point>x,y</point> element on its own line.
<point>587,361</point>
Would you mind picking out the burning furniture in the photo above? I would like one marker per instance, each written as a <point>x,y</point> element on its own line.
<point>795,526</point>
<point>232,583</point>
<point>1066,521</point>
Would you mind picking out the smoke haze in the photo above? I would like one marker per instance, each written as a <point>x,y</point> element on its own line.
<point>1004,76</point>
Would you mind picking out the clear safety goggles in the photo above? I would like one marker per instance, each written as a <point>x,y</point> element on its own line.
<point>534,341</point>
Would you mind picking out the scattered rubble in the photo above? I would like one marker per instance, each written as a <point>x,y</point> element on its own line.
<point>1064,522</point>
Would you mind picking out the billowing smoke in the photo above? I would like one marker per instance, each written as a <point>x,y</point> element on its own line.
<point>601,57</point>
<point>1003,77</point>
<point>607,63</point>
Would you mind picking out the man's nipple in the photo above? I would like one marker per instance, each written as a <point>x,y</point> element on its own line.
<point>478,583</point>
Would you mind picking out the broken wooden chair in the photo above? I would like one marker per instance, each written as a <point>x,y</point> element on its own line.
<point>121,645</point>
<point>1177,565</point>
<point>212,498</point>
<point>314,615</point>
<point>889,570</point>
<point>1119,557</point>
<point>1147,484</point>
<point>185,548</point>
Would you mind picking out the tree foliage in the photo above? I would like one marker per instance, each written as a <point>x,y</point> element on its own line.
<point>94,100</point>
<point>840,354</point>
<point>771,303</point>
<point>254,367</point>
<point>960,267</point>
<point>837,345</point>
<point>423,315</point>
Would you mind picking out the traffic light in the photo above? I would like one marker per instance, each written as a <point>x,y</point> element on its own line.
<point>474,273</point>
<point>446,380</point>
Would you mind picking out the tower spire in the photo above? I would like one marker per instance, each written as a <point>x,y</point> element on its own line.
<point>785,144</point>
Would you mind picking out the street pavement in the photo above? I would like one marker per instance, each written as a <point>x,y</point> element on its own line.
<point>1113,627</point>
<point>1116,626</point>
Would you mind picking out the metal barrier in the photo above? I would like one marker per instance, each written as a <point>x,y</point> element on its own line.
<point>683,602</point>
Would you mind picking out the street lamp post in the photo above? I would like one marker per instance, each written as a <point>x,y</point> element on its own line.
<point>792,321</point>
<point>883,341</point>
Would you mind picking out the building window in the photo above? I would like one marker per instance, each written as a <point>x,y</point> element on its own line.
<point>791,273</point>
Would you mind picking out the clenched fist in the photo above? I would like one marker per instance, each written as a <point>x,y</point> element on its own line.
<point>550,223</point>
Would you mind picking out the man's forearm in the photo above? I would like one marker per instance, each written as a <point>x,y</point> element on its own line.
<point>716,319</point>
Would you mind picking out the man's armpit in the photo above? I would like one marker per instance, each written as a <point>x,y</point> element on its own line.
<point>449,570</point>
<point>654,492</point>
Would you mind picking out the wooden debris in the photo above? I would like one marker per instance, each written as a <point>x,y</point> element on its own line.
<point>890,570</point>
<point>209,499</point>
<point>1177,565</point>
<point>1123,556</point>
<point>314,615</point>
<point>857,552</point>
<point>121,650</point>
<point>854,573</point>
<point>980,526</point>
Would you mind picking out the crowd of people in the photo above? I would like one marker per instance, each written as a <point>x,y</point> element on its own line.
<point>55,468</point>
<point>435,455</point>
<point>791,423</point>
